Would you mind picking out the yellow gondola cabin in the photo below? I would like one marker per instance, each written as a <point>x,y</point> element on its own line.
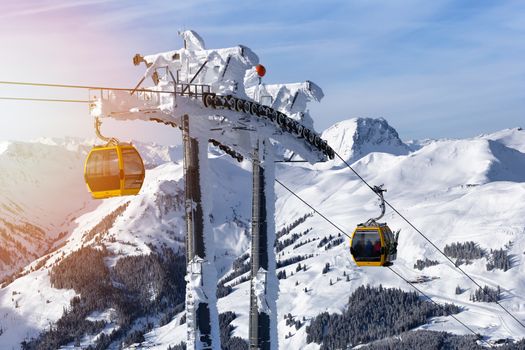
<point>114,170</point>
<point>373,245</point>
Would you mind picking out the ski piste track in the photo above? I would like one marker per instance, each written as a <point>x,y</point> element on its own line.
<point>223,116</point>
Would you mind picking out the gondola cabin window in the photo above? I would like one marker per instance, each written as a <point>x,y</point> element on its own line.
<point>102,170</point>
<point>367,246</point>
<point>133,168</point>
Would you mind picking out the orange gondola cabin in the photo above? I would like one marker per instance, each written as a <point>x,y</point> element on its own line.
<point>114,170</point>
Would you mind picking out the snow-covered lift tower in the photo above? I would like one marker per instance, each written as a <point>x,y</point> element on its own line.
<point>216,96</point>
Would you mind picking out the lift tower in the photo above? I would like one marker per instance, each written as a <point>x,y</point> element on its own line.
<point>217,90</point>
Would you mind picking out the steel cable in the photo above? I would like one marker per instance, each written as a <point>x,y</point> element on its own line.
<point>399,275</point>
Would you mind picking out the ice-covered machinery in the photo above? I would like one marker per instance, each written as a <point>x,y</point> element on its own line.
<point>216,95</point>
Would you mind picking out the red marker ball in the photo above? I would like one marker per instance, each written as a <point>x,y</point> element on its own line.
<point>261,71</point>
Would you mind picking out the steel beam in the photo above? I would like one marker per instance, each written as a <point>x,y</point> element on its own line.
<point>194,238</point>
<point>259,331</point>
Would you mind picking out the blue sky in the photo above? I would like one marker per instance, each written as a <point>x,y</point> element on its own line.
<point>433,69</point>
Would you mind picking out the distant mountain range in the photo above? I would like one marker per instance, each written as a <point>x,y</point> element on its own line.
<point>467,196</point>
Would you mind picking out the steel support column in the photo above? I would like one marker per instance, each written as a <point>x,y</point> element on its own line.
<point>198,313</point>
<point>259,331</point>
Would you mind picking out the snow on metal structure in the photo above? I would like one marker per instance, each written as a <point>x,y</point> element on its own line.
<point>184,77</point>
<point>290,99</point>
<point>218,92</point>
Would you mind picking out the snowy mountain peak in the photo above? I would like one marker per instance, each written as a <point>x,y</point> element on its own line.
<point>512,138</point>
<point>357,137</point>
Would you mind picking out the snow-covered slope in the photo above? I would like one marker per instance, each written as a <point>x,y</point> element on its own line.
<point>154,218</point>
<point>43,191</point>
<point>453,190</point>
